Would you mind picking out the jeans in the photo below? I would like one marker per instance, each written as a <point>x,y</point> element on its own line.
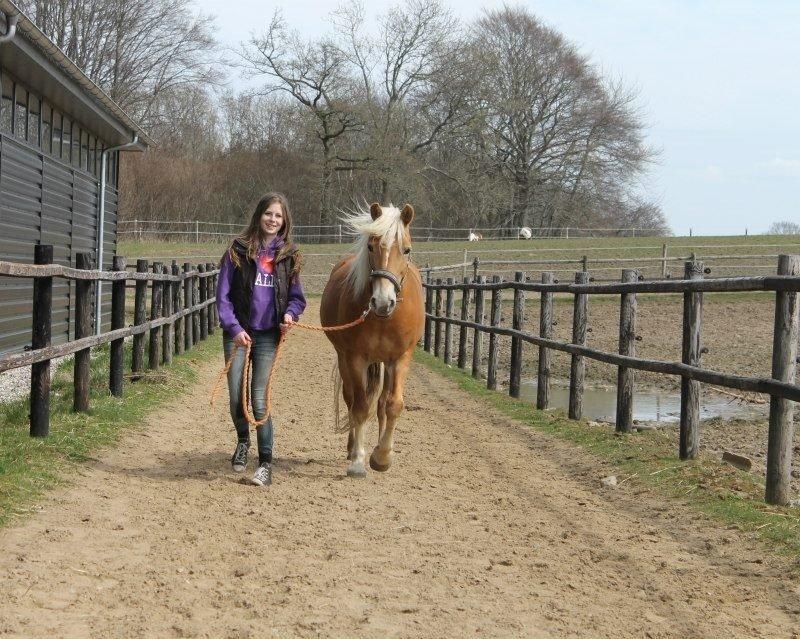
<point>262,354</point>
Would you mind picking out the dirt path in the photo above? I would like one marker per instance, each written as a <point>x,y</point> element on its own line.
<point>482,528</point>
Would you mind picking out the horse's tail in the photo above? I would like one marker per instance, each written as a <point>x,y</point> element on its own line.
<point>337,394</point>
<point>374,385</point>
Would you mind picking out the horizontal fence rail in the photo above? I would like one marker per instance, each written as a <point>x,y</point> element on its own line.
<point>781,387</point>
<point>182,313</point>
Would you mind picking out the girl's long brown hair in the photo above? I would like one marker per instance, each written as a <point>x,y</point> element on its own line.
<point>252,238</point>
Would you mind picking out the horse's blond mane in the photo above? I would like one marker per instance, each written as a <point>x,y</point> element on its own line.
<point>389,227</point>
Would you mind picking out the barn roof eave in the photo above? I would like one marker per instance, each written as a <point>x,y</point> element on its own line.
<point>35,48</point>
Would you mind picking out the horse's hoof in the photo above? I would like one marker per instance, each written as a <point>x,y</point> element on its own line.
<point>374,464</point>
<point>356,470</point>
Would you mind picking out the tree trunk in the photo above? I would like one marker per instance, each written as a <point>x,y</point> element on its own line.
<point>385,191</point>
<point>520,212</point>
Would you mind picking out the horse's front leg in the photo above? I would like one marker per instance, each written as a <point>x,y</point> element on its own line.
<point>358,413</point>
<point>396,372</point>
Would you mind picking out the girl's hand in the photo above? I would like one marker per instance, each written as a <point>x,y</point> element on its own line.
<point>288,321</point>
<point>242,339</point>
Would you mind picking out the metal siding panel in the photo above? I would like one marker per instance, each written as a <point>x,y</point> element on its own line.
<point>37,198</point>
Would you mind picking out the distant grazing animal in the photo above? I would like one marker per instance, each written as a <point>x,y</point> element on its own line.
<point>475,237</point>
<point>525,233</point>
<point>374,356</point>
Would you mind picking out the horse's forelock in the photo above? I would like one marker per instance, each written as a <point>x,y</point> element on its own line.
<point>389,227</point>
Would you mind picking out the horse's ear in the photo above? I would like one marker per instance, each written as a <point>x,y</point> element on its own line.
<point>375,210</point>
<point>407,214</point>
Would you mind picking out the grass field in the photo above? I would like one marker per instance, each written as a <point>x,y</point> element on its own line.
<point>737,255</point>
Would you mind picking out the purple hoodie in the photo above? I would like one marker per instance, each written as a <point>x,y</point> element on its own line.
<point>262,306</point>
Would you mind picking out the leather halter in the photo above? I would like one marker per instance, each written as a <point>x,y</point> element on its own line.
<point>396,281</point>
<point>388,275</point>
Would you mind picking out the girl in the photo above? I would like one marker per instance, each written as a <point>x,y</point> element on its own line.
<point>259,298</point>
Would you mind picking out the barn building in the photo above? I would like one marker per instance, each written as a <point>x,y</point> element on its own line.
<point>57,131</point>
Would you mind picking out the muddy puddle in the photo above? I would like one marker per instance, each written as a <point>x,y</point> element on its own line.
<point>650,405</point>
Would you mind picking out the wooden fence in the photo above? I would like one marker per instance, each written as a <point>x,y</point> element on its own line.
<point>182,312</point>
<point>440,321</point>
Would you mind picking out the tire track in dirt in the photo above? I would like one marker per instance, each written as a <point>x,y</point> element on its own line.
<point>482,528</point>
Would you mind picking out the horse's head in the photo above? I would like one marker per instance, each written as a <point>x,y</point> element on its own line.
<point>388,258</point>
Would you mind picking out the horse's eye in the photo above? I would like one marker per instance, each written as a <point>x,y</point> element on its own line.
<point>407,251</point>
<point>369,247</point>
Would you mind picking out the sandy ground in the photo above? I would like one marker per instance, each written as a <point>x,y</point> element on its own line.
<point>482,528</point>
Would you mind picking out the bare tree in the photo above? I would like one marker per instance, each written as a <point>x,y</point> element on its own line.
<point>314,74</point>
<point>551,122</point>
<point>784,228</point>
<point>135,50</point>
<point>414,92</point>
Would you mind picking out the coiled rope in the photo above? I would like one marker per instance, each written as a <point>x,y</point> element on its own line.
<point>248,413</point>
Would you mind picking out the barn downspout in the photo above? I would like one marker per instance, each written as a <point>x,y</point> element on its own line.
<point>11,27</point>
<point>133,144</point>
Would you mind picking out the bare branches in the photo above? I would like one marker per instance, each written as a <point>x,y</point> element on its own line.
<point>553,124</point>
<point>135,50</point>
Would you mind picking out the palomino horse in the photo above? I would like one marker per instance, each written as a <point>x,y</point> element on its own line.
<point>379,277</point>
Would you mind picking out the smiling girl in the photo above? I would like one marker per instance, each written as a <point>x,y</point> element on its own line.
<point>259,297</point>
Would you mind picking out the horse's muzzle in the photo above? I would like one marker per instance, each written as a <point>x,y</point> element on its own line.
<point>383,310</point>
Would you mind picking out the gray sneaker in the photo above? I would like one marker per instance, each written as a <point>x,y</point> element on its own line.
<point>262,476</point>
<point>239,458</point>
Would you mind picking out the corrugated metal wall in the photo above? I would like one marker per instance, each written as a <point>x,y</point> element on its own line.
<point>44,201</point>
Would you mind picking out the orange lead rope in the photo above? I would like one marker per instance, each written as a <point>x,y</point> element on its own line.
<point>248,413</point>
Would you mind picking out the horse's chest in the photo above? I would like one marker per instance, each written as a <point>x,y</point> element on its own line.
<point>375,343</point>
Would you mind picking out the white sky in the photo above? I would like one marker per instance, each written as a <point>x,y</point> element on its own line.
<point>719,83</point>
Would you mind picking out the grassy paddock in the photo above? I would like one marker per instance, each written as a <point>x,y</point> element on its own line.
<point>732,497</point>
<point>319,257</point>
<point>29,467</point>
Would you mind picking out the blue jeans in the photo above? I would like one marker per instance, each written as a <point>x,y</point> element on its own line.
<point>262,354</point>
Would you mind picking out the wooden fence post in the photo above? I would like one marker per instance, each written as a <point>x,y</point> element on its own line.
<point>437,329</point>
<point>188,333</point>
<point>155,312</point>
<point>177,298</point>
<point>215,283</point>
<point>784,366</point>
<point>139,314</point>
<point>195,301</point>
<point>517,323</point>
<point>690,388</point>
<point>462,330</point>
<point>663,260</point>
<point>426,344</point>
<point>117,348</point>
<point>627,337</point>
<point>202,283</point>
<point>491,372</point>
<point>168,342</point>
<point>477,336</point>
<point>41,323</point>
<point>578,364</point>
<point>448,328</point>
<point>210,294</point>
<point>546,331</point>
<point>83,328</point>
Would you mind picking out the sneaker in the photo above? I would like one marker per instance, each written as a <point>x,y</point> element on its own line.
<point>239,459</point>
<point>263,475</point>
